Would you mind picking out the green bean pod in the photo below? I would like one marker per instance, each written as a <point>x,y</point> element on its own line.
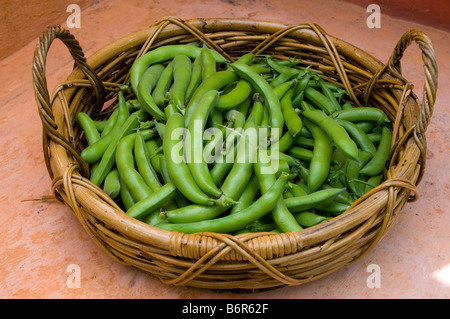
<point>376,165</point>
<point>319,166</point>
<point>330,95</point>
<point>278,67</point>
<point>247,58</point>
<point>338,159</point>
<point>296,190</point>
<point>345,197</point>
<point>265,120</point>
<point>170,109</point>
<point>194,145</point>
<point>145,87</point>
<point>100,125</point>
<point>266,176</point>
<point>88,126</point>
<point>133,105</point>
<point>374,137</point>
<point>287,194</point>
<point>230,223</point>
<point>256,227</point>
<point>248,196</point>
<point>304,142</point>
<point>283,166</point>
<point>301,153</point>
<point>261,69</point>
<point>164,171</point>
<point>319,100</point>
<point>297,101</point>
<point>111,185</point>
<point>360,114</point>
<point>309,219</point>
<point>111,121</point>
<point>263,87</point>
<point>179,200</point>
<point>358,135</point>
<point>209,66</point>
<point>222,167</point>
<point>143,163</point>
<point>161,129</point>
<point>286,76</point>
<point>366,126</point>
<point>317,83</point>
<point>281,89</point>
<point>347,105</point>
<point>125,195</point>
<point>153,218</point>
<point>302,82</point>
<point>286,142</point>
<point>182,72</point>
<point>335,131</point>
<point>176,165</point>
<point>256,112</point>
<point>321,197</point>
<point>196,78</point>
<point>236,96</point>
<point>154,151</point>
<point>305,106</point>
<point>290,160</point>
<point>334,207</point>
<point>154,201</point>
<point>304,174</point>
<point>292,120</point>
<point>125,162</point>
<point>163,84</point>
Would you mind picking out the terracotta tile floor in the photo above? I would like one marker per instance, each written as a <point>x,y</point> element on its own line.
<point>40,239</point>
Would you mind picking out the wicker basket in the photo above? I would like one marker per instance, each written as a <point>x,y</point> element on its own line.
<point>251,261</point>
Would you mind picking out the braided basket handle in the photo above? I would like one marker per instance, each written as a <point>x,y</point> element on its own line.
<point>42,95</point>
<point>39,60</point>
<point>430,72</point>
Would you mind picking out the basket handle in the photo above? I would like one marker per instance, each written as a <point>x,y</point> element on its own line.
<point>42,95</point>
<point>430,73</point>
